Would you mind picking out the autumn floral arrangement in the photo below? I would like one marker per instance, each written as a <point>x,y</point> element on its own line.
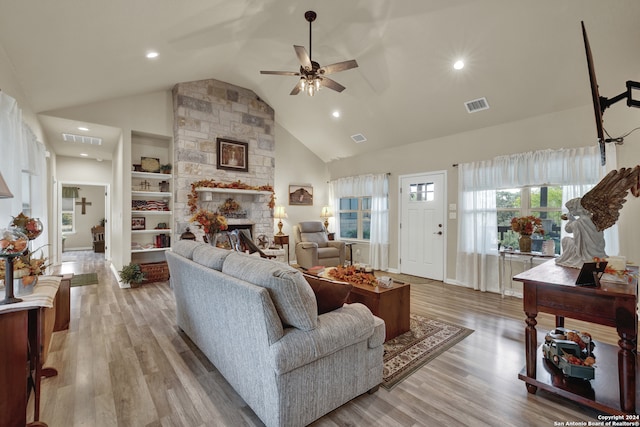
<point>26,266</point>
<point>527,225</point>
<point>210,222</point>
<point>238,185</point>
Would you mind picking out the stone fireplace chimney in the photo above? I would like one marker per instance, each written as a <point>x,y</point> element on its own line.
<point>204,111</point>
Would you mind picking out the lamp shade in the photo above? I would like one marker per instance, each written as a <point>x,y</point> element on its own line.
<point>279,212</point>
<point>327,212</point>
<point>5,193</point>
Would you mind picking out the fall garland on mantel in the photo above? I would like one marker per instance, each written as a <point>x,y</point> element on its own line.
<point>236,185</point>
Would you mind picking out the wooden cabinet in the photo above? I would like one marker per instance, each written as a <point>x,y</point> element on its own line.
<point>25,334</point>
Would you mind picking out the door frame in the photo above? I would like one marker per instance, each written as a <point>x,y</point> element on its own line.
<point>58,216</point>
<point>445,222</point>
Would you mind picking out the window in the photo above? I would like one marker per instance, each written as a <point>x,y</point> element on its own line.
<point>355,218</point>
<point>68,215</point>
<point>542,202</point>
<point>422,192</point>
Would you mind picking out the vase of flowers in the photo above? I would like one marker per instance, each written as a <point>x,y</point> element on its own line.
<point>526,226</point>
<point>211,223</point>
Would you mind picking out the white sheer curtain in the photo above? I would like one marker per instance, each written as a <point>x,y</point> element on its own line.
<point>575,169</point>
<point>22,154</point>
<point>376,187</point>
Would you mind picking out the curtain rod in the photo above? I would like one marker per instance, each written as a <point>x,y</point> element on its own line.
<point>353,176</point>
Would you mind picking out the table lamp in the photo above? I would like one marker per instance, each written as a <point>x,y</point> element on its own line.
<point>5,193</point>
<point>279,213</point>
<point>327,212</point>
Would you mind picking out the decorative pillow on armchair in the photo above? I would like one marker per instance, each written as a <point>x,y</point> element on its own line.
<point>330,295</point>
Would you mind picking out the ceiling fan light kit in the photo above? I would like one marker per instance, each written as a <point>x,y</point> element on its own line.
<point>312,75</point>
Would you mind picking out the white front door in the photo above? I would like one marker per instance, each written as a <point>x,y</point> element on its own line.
<point>422,226</point>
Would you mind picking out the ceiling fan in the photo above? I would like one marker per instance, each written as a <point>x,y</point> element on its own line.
<point>312,75</point>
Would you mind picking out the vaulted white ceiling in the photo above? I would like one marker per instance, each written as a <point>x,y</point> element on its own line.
<point>526,57</point>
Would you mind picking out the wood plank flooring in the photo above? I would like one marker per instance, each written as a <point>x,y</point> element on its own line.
<point>123,362</point>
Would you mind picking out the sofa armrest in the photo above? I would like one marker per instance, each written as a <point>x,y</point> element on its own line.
<point>336,330</point>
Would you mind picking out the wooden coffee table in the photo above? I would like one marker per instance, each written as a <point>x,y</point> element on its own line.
<point>389,304</point>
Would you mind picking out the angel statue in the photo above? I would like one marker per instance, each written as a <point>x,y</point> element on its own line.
<point>593,213</point>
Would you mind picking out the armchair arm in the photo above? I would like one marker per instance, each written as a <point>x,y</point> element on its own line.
<point>307,245</point>
<point>336,330</point>
<point>342,247</point>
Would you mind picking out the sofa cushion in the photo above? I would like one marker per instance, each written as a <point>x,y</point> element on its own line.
<point>291,294</point>
<point>330,295</point>
<point>210,256</point>
<point>186,247</point>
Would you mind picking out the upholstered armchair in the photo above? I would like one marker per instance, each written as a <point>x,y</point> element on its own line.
<point>313,247</point>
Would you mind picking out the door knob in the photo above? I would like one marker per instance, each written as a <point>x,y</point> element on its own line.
<point>438,232</point>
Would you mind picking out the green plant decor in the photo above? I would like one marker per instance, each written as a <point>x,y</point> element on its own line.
<point>166,168</point>
<point>131,274</point>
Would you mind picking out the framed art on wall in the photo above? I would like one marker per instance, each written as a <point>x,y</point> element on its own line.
<point>232,155</point>
<point>301,195</point>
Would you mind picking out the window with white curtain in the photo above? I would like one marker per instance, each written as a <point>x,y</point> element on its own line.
<point>574,170</point>
<point>355,218</point>
<point>544,202</point>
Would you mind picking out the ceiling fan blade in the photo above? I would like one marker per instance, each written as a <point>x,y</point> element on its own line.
<point>332,84</point>
<point>281,73</point>
<point>296,89</point>
<point>303,57</point>
<point>338,66</point>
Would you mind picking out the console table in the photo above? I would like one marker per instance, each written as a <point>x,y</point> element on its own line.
<point>23,326</point>
<point>551,288</point>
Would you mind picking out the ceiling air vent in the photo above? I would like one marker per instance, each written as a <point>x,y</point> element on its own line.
<point>358,138</point>
<point>477,105</point>
<point>81,139</point>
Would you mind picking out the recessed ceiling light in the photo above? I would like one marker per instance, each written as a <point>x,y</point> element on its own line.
<point>151,55</point>
<point>83,128</point>
<point>84,154</point>
<point>336,114</point>
<point>459,64</point>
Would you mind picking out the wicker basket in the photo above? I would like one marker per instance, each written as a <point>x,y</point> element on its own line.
<point>155,272</point>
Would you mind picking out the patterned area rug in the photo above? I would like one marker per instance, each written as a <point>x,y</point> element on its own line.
<point>84,279</point>
<point>427,339</point>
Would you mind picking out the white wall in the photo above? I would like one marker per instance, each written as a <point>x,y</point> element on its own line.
<point>570,128</point>
<point>82,239</point>
<point>296,164</point>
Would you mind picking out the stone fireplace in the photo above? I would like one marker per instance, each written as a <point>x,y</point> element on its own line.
<point>204,111</point>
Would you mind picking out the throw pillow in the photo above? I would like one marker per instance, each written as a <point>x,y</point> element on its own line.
<point>330,295</point>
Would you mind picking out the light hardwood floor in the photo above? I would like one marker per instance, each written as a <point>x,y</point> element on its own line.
<point>123,362</point>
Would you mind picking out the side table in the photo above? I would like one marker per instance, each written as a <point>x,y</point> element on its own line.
<point>282,239</point>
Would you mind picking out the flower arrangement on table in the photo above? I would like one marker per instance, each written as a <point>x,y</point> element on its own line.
<point>25,264</point>
<point>210,222</point>
<point>32,227</point>
<point>527,225</point>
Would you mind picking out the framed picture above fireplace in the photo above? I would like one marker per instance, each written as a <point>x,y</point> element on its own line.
<point>232,155</point>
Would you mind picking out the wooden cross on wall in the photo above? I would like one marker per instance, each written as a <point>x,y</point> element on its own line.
<point>84,204</point>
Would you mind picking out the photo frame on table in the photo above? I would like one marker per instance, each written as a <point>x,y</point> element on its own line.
<point>301,195</point>
<point>138,223</point>
<point>232,155</point>
<point>590,273</point>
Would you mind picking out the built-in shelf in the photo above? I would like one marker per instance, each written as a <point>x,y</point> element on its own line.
<point>150,175</point>
<point>152,231</point>
<point>150,194</point>
<point>151,212</point>
<point>138,251</point>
